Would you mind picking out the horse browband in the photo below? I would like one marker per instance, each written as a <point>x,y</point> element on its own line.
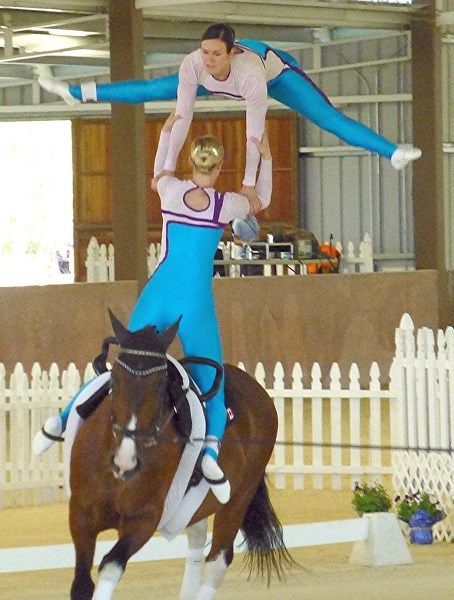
<point>142,373</point>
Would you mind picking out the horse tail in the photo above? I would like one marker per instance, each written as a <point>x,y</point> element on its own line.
<point>266,552</point>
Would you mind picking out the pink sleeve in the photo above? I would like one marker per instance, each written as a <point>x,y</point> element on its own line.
<point>187,91</point>
<point>167,190</point>
<point>256,107</point>
<point>235,206</point>
<point>264,185</point>
<point>161,152</point>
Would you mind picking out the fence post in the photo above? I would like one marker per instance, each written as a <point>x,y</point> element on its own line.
<point>366,264</point>
<point>376,416</point>
<point>3,435</point>
<point>317,423</point>
<point>111,263</point>
<point>92,259</point>
<point>449,340</point>
<point>152,259</point>
<point>336,424</point>
<point>355,418</point>
<point>279,403</point>
<point>298,425</point>
<point>102,264</point>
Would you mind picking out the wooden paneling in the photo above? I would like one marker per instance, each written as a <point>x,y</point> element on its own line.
<point>92,172</point>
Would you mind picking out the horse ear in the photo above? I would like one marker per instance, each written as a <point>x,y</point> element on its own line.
<point>120,330</point>
<point>168,334</point>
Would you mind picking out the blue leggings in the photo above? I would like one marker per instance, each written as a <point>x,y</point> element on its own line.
<point>199,336</point>
<point>180,288</point>
<point>292,87</point>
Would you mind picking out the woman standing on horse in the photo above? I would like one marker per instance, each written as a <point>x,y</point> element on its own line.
<point>194,218</point>
<point>247,70</point>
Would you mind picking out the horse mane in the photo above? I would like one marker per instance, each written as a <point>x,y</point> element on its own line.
<point>143,349</point>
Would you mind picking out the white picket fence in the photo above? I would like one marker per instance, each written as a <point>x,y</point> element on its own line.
<point>309,419</point>
<point>329,436</point>
<point>100,261</point>
<point>423,371</point>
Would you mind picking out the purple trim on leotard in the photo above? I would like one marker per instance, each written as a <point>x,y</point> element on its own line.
<point>227,95</point>
<point>218,202</point>
<point>306,77</point>
<point>191,207</point>
<point>290,65</point>
<point>197,222</point>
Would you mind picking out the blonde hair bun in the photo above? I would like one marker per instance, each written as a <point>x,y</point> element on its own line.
<point>206,152</point>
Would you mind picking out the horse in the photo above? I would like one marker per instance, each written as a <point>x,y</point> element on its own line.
<point>124,458</point>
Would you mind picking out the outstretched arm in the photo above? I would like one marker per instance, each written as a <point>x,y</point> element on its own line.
<point>161,152</point>
<point>264,185</point>
<point>187,91</point>
<point>260,196</point>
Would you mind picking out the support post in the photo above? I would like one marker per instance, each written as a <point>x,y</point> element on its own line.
<point>129,214</point>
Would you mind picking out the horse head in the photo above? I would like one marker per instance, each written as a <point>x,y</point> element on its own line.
<point>140,411</point>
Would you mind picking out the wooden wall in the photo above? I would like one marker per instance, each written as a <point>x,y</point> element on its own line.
<point>92,169</point>
<point>323,318</point>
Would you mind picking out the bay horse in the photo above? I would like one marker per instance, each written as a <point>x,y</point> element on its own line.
<point>124,458</point>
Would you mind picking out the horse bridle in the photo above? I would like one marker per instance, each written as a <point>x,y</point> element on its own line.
<point>151,435</point>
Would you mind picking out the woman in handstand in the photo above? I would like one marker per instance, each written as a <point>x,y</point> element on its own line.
<point>194,218</point>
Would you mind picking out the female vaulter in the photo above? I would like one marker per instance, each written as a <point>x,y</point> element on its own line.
<point>249,70</point>
<point>194,218</point>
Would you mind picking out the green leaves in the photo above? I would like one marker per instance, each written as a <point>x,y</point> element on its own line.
<point>370,498</point>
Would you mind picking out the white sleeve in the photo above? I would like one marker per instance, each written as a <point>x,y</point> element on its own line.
<point>256,107</point>
<point>187,91</point>
<point>169,192</point>
<point>264,186</point>
<point>161,152</point>
<point>235,206</point>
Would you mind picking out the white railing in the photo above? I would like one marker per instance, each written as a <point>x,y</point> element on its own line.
<point>100,261</point>
<point>309,418</point>
<point>424,376</point>
<point>363,262</point>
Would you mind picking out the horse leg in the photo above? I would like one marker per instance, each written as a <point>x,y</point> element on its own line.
<point>197,535</point>
<point>84,540</point>
<point>214,573</point>
<point>227,523</point>
<point>113,565</point>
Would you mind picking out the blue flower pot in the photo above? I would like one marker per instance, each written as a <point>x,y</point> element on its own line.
<point>421,535</point>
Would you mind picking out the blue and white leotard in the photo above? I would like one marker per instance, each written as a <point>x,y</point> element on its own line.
<point>182,282</point>
<point>257,70</point>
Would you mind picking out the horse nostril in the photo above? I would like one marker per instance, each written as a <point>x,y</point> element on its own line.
<point>115,467</point>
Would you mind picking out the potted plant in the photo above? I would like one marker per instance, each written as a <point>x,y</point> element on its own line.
<point>370,498</point>
<point>421,511</point>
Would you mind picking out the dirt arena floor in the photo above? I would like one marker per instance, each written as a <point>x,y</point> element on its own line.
<point>325,573</point>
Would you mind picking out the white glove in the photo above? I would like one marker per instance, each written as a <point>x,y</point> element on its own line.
<point>55,86</point>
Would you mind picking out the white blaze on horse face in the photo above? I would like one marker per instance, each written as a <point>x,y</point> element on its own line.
<point>126,456</point>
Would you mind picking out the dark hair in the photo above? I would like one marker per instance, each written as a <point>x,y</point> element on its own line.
<point>220,31</point>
